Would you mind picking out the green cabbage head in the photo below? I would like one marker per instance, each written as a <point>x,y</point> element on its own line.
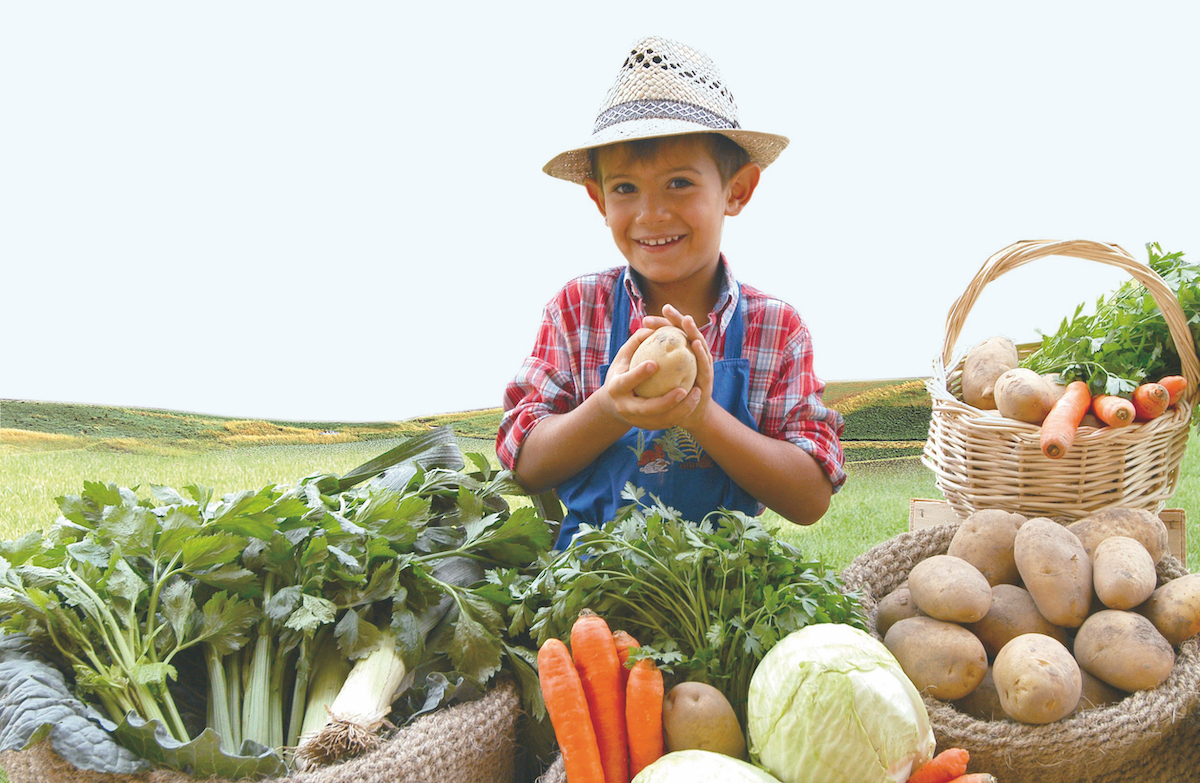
<point>830,704</point>
<point>701,766</point>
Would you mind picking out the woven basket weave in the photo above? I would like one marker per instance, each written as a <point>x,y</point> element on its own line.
<point>1148,737</point>
<point>468,743</point>
<point>983,460</point>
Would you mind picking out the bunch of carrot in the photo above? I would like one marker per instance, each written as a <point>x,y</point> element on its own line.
<point>1148,401</point>
<point>607,718</point>
<point>949,766</point>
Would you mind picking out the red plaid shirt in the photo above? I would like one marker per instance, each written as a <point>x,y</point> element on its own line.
<point>572,343</point>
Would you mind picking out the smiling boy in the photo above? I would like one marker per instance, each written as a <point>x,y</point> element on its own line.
<point>666,164</point>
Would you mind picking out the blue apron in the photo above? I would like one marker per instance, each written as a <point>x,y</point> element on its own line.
<point>666,463</point>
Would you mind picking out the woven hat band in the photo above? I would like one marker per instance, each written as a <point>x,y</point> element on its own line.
<point>662,110</point>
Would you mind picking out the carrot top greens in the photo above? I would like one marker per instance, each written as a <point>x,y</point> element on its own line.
<point>1125,341</point>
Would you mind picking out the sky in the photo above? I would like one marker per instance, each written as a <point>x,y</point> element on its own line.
<point>336,211</point>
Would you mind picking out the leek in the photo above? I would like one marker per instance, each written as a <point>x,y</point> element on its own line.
<point>360,710</point>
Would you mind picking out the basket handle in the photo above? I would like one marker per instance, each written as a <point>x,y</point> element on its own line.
<point>1021,253</point>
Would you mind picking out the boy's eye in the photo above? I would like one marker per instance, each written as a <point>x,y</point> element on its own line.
<point>679,182</point>
<point>624,187</point>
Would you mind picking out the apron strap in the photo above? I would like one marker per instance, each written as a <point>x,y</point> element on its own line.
<point>619,332</point>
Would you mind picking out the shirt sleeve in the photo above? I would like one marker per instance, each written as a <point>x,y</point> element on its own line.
<point>793,409</point>
<point>544,385</point>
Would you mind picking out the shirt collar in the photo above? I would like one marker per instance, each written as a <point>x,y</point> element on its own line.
<point>723,310</point>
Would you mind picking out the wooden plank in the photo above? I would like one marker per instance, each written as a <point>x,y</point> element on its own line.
<point>923,512</point>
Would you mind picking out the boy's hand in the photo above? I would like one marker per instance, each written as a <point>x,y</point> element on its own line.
<point>702,391</point>
<point>650,413</point>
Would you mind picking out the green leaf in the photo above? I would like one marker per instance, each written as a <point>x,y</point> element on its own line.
<point>202,757</point>
<point>314,612</point>
<point>124,585</point>
<point>355,636</point>
<point>179,608</point>
<point>215,549</point>
<point>476,647</point>
<point>282,603</point>
<point>153,673</point>
<point>226,622</point>
<point>22,549</point>
<point>131,529</point>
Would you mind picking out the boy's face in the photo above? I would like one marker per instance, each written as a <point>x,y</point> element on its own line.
<point>666,210</point>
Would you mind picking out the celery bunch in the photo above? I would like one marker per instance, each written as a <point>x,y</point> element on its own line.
<point>257,583</point>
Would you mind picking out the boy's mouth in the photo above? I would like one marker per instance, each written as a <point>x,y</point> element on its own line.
<point>660,241</point>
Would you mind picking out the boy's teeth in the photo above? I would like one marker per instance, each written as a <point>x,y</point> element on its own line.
<point>659,241</point>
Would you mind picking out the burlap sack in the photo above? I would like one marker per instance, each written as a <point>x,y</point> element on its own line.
<point>468,743</point>
<point>557,773</point>
<point>1149,736</point>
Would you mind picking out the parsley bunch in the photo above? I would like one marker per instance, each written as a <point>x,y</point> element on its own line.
<point>1125,342</point>
<point>706,601</point>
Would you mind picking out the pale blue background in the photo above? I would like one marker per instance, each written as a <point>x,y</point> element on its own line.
<point>263,208</point>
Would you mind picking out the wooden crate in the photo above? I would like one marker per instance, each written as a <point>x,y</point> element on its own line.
<point>926,513</point>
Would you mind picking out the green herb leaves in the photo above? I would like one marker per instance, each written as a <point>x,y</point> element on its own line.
<point>1125,341</point>
<point>706,601</point>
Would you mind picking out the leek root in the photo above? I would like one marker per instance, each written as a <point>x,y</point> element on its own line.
<point>360,710</point>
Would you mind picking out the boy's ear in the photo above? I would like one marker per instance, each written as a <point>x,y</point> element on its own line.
<point>741,187</point>
<point>597,195</point>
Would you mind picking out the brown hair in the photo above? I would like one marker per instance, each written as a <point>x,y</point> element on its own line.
<point>726,153</point>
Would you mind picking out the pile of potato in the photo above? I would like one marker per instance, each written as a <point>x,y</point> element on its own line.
<point>1034,620</point>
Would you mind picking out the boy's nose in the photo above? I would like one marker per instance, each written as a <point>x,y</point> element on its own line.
<point>652,210</point>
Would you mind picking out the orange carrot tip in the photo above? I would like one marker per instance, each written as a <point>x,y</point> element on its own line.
<point>1150,400</point>
<point>1175,385</point>
<point>942,768</point>
<point>1112,410</point>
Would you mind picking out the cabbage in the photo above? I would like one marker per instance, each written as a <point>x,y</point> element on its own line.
<point>830,704</point>
<point>701,766</point>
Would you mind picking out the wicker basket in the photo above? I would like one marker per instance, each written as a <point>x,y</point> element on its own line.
<point>1148,737</point>
<point>983,460</point>
<point>475,742</point>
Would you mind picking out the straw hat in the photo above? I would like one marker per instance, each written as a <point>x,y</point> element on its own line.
<point>665,88</point>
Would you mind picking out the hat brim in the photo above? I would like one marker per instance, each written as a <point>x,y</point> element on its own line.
<point>574,165</point>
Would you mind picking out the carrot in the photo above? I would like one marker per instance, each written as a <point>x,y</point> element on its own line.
<point>975,777</point>
<point>1058,429</point>
<point>595,654</point>
<point>943,767</point>
<point>1112,410</point>
<point>1150,400</point>
<point>643,715</point>
<point>567,707</point>
<point>1175,385</point>
<point>624,642</point>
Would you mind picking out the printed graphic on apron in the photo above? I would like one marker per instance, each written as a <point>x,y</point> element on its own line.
<point>675,446</point>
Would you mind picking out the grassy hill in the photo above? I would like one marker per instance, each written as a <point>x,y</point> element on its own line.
<point>883,419</point>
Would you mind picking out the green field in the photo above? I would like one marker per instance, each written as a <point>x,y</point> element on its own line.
<point>48,450</point>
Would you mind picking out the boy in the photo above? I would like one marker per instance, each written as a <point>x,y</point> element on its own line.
<point>665,164</point>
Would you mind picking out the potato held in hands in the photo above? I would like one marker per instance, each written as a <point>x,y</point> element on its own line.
<point>669,347</point>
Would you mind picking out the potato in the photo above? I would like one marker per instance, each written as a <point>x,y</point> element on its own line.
<point>1013,614</point>
<point>1124,649</point>
<point>1024,395</point>
<point>1123,572</point>
<point>1037,679</point>
<point>949,588</point>
<point>1132,522</point>
<point>668,346</point>
<point>942,659</point>
<point>1174,609</point>
<point>983,364</point>
<point>698,716</point>
<point>893,607</point>
<point>1097,693</point>
<point>1056,570</point>
<point>983,703</point>
<point>985,540</point>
